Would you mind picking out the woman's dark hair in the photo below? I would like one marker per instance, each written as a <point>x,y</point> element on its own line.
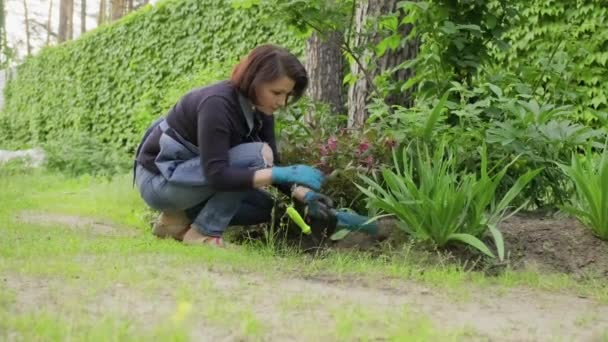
<point>267,63</point>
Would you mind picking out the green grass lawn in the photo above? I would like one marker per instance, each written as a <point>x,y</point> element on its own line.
<point>65,283</point>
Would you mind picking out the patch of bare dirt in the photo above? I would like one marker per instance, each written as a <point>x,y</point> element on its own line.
<point>555,245</point>
<point>532,241</point>
<point>94,226</point>
<point>306,309</point>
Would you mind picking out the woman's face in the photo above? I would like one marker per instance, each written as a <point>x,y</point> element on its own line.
<point>273,95</point>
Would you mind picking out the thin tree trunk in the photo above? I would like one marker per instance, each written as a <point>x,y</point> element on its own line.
<point>101,17</point>
<point>359,93</point>
<point>3,43</point>
<point>83,16</point>
<point>325,66</point>
<point>117,9</point>
<point>64,20</point>
<point>27,28</point>
<point>49,27</point>
<point>130,6</point>
<point>71,20</point>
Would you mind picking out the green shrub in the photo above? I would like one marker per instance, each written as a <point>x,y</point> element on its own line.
<point>437,203</point>
<point>589,173</point>
<point>15,167</point>
<point>80,153</point>
<point>559,47</point>
<point>321,140</point>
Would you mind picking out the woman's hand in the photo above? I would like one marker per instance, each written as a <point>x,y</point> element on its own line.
<point>319,205</point>
<point>300,174</point>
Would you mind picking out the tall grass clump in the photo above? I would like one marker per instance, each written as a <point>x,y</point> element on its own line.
<point>437,203</point>
<point>589,173</point>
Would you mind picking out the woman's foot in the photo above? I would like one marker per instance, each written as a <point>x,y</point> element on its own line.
<point>194,237</point>
<point>172,224</point>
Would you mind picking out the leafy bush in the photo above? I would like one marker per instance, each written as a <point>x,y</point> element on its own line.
<point>311,134</point>
<point>589,173</point>
<point>15,167</point>
<point>435,202</point>
<point>559,47</point>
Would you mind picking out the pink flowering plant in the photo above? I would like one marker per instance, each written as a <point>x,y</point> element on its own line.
<point>341,153</point>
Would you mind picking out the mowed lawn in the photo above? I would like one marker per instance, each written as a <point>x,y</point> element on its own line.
<point>77,262</point>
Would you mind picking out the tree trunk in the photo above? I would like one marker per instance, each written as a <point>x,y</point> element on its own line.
<point>118,9</point>
<point>83,16</point>
<point>71,20</point>
<point>359,93</point>
<point>325,67</point>
<point>4,55</point>
<point>130,6</point>
<point>63,20</point>
<point>49,27</point>
<point>101,17</point>
<point>28,41</point>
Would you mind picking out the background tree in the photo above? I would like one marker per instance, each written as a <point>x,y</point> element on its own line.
<point>83,16</point>
<point>379,54</point>
<point>324,62</point>
<point>117,8</point>
<point>66,11</point>
<point>28,41</point>
<point>101,16</point>
<point>5,51</point>
<point>48,23</point>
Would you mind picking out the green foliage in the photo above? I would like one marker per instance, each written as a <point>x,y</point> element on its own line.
<point>561,47</point>
<point>80,153</point>
<point>114,80</point>
<point>304,15</point>
<point>589,173</point>
<point>18,166</point>
<point>311,134</point>
<point>454,36</point>
<point>436,202</point>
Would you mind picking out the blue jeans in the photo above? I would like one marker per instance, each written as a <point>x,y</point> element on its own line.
<point>210,210</point>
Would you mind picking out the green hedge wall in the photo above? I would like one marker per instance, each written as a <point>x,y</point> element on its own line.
<point>114,80</point>
<point>566,43</point>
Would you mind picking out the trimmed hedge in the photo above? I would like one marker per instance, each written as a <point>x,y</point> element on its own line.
<point>114,80</point>
<point>568,41</point>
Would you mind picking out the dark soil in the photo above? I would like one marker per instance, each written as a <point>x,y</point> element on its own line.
<point>532,241</point>
<point>554,244</point>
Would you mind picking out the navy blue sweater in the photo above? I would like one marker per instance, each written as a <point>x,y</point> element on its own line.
<point>211,118</point>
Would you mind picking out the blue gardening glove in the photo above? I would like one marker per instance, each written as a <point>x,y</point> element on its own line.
<point>355,222</point>
<point>319,205</point>
<point>301,174</point>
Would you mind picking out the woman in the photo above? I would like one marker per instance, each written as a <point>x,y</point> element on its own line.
<point>203,166</point>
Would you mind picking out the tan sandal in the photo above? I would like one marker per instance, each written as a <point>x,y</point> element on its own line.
<point>172,224</point>
<point>194,237</point>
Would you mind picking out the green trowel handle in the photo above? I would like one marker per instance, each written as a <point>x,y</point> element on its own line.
<point>295,216</point>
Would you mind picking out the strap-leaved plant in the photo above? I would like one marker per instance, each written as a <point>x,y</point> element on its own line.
<point>435,202</point>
